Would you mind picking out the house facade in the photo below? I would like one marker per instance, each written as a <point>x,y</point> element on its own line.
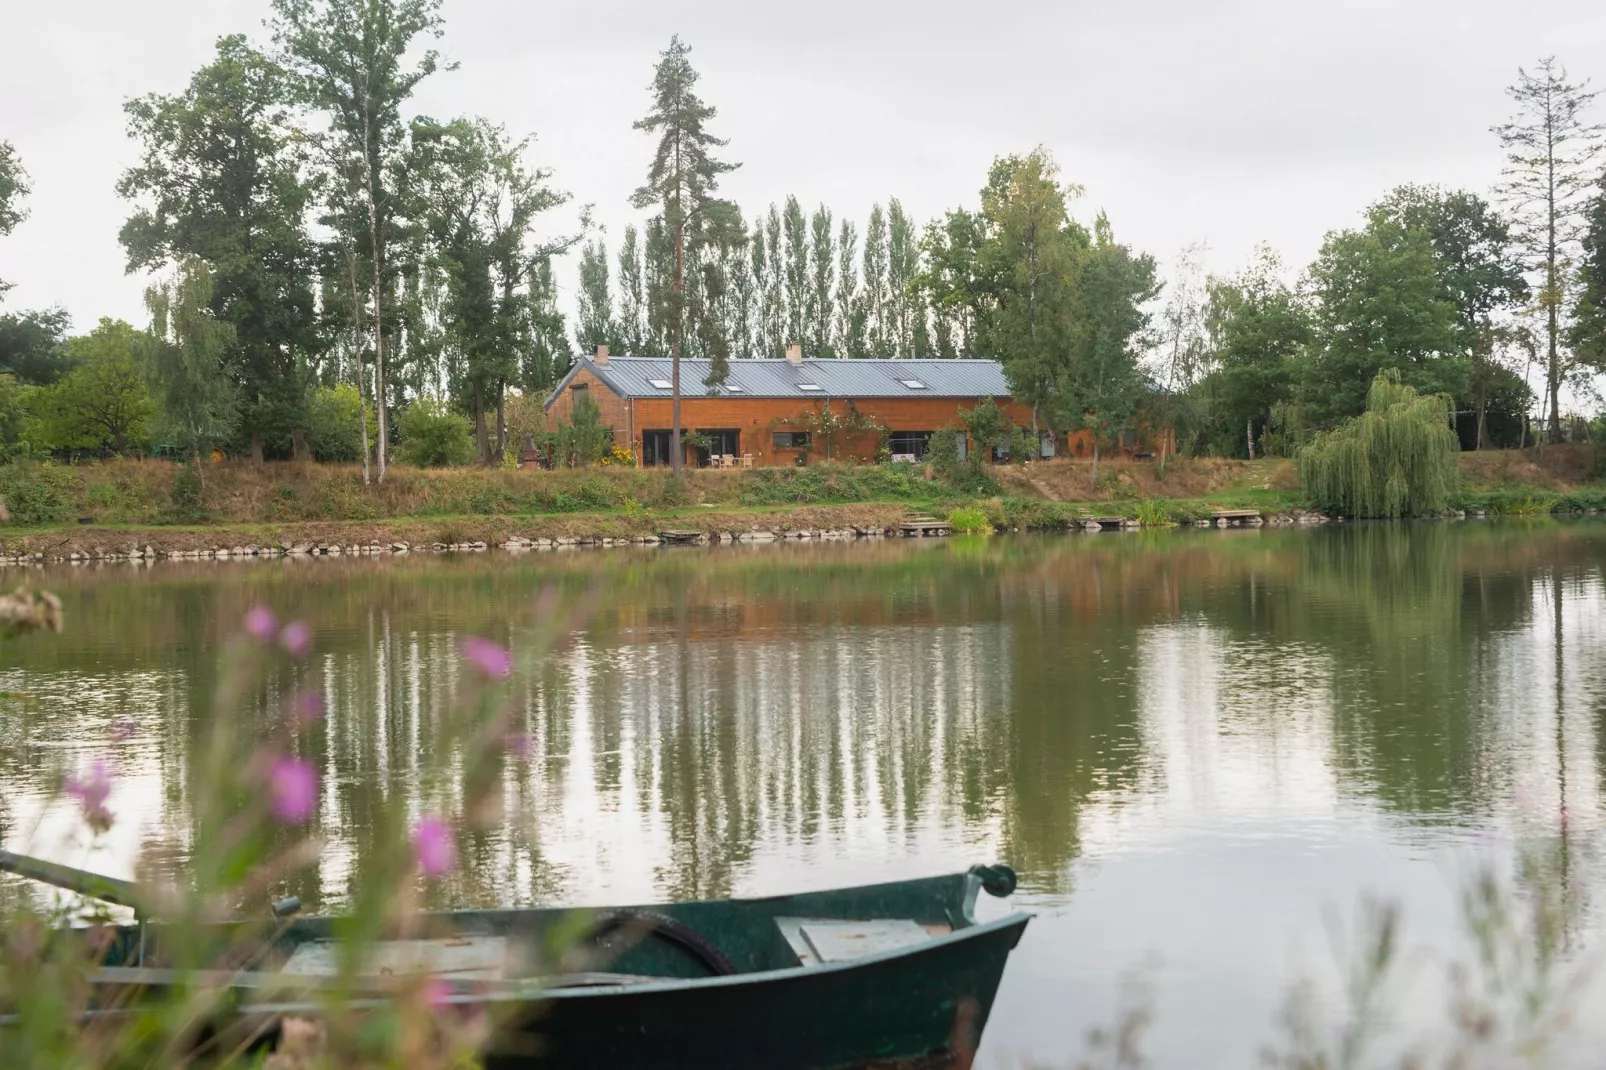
<point>776,412</point>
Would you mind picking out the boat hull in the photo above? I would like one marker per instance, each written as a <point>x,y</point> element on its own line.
<point>915,1007</point>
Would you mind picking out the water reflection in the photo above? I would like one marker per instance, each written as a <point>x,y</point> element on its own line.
<point>1189,706</point>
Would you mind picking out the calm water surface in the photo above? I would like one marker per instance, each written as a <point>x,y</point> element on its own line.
<point>1193,746</point>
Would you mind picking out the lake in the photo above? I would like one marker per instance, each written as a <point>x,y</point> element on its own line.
<point>1200,749</point>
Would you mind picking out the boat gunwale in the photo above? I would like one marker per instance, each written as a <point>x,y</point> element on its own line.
<point>511,994</point>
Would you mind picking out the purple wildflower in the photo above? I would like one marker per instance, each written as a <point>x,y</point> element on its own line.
<point>490,659</point>
<point>293,785</point>
<point>92,791</point>
<point>437,993</point>
<point>297,639</point>
<point>433,847</point>
<point>308,707</point>
<point>260,624</point>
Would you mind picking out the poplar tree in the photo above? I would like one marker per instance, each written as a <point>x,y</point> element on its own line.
<point>350,60</point>
<point>774,311</point>
<point>796,280</point>
<point>680,183</point>
<point>903,261</point>
<point>758,262</point>
<point>1588,334</point>
<point>849,318</point>
<point>632,295</point>
<point>877,336</point>
<point>822,275</point>
<point>1550,169</point>
<point>595,325</point>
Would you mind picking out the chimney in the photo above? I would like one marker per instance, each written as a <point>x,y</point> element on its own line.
<point>794,352</point>
<point>602,355</point>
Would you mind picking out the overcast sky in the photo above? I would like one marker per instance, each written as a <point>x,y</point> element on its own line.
<point>1227,122</point>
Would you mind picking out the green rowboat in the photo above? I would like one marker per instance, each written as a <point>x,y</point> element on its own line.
<point>898,974</point>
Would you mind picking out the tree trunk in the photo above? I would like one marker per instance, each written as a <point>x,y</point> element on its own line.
<point>356,341</point>
<point>480,440</point>
<point>501,425</point>
<point>200,473</point>
<point>676,460</point>
<point>379,329</point>
<point>1249,433</point>
<point>256,446</point>
<point>298,445</point>
<point>1480,437</point>
<point>1095,483</point>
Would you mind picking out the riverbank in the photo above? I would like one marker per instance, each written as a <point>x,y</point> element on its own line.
<point>151,509</point>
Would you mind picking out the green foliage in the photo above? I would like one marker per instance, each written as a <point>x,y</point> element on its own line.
<point>1258,328</point>
<point>15,409</point>
<point>836,482</point>
<point>1023,445</point>
<point>104,400</point>
<point>334,424</point>
<point>37,494</point>
<point>969,520</point>
<point>187,492</point>
<point>33,346</point>
<point>222,178</point>
<point>200,400</point>
<point>13,188</point>
<point>585,440</point>
<point>1156,513</point>
<point>987,429</point>
<point>433,436</point>
<point>1396,459</point>
<point>681,182</point>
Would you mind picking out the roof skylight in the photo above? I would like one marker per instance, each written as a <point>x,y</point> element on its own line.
<point>734,389</point>
<point>913,384</point>
<point>812,387</point>
<point>661,384</point>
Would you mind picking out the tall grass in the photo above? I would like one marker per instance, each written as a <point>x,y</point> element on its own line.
<point>258,801</point>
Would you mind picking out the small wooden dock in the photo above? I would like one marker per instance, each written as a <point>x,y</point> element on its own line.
<point>917,525</point>
<point>1106,523</point>
<point>682,536</point>
<point>1236,518</point>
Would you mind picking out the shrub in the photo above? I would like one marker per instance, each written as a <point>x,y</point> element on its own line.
<point>969,520</point>
<point>1398,458</point>
<point>334,424</point>
<point>39,493</point>
<point>187,505</point>
<point>433,436</point>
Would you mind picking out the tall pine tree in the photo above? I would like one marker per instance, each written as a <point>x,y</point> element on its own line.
<point>681,183</point>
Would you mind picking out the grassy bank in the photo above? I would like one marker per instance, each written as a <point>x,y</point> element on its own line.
<point>110,504</point>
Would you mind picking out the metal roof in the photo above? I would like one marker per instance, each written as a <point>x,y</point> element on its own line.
<point>631,377</point>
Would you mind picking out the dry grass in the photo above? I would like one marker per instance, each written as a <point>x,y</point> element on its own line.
<point>1560,467</point>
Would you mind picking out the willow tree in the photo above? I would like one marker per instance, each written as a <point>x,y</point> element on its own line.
<point>1398,458</point>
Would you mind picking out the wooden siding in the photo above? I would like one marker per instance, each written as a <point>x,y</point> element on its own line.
<point>757,419</point>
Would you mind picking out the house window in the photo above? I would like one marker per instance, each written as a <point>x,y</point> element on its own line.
<point>580,392</point>
<point>1129,440</point>
<point>722,443</point>
<point>908,445</point>
<point>791,440</point>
